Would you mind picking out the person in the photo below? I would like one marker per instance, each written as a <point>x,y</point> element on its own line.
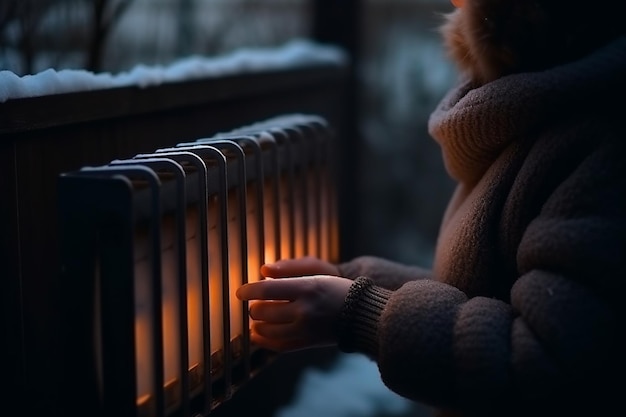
<point>520,314</point>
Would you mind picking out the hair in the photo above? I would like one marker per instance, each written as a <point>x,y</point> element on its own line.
<point>488,39</point>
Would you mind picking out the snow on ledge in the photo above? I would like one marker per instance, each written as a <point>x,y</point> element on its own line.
<point>294,54</point>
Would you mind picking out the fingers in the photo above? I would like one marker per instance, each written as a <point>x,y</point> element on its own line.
<point>293,313</point>
<point>273,311</point>
<point>265,335</point>
<point>287,289</point>
<point>284,331</point>
<point>272,326</point>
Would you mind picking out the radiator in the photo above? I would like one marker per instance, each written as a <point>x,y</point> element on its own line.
<point>154,247</point>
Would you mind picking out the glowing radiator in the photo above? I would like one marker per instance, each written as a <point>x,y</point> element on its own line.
<point>154,247</point>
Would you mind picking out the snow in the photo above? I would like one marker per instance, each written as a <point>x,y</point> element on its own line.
<point>352,388</point>
<point>293,54</point>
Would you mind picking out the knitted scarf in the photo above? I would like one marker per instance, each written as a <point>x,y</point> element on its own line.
<point>473,124</point>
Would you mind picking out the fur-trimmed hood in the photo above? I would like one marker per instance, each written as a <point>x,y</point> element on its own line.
<point>491,38</point>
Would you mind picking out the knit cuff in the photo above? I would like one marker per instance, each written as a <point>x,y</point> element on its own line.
<point>358,323</point>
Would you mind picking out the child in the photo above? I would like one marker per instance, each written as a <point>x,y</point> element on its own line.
<point>520,314</point>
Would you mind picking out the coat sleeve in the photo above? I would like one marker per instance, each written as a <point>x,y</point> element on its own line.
<point>385,273</point>
<point>559,339</point>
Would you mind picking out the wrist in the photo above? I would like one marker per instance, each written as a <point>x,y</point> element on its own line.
<point>357,329</point>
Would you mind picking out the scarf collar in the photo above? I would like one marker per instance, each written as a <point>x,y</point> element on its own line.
<point>473,124</point>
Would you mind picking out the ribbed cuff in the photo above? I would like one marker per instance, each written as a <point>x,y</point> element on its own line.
<point>358,323</point>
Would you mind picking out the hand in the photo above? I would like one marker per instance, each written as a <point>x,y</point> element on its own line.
<point>295,313</point>
<point>307,265</point>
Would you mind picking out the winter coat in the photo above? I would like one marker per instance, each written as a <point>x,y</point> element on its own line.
<point>521,313</point>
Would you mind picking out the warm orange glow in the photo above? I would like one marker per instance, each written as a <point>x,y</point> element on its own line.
<point>269,207</point>
<point>313,221</point>
<point>321,232</point>
<point>194,290</point>
<point>286,216</point>
<point>325,220</point>
<point>143,355</point>
<point>235,270</point>
<point>331,221</point>
<point>298,218</point>
<point>143,325</point>
<point>143,311</point>
<point>171,328</point>
<point>215,278</point>
<point>143,401</point>
<point>253,217</point>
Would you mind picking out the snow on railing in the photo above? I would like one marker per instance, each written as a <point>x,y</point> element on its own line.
<point>294,54</point>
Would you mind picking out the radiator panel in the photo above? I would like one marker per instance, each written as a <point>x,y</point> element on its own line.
<point>156,245</point>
